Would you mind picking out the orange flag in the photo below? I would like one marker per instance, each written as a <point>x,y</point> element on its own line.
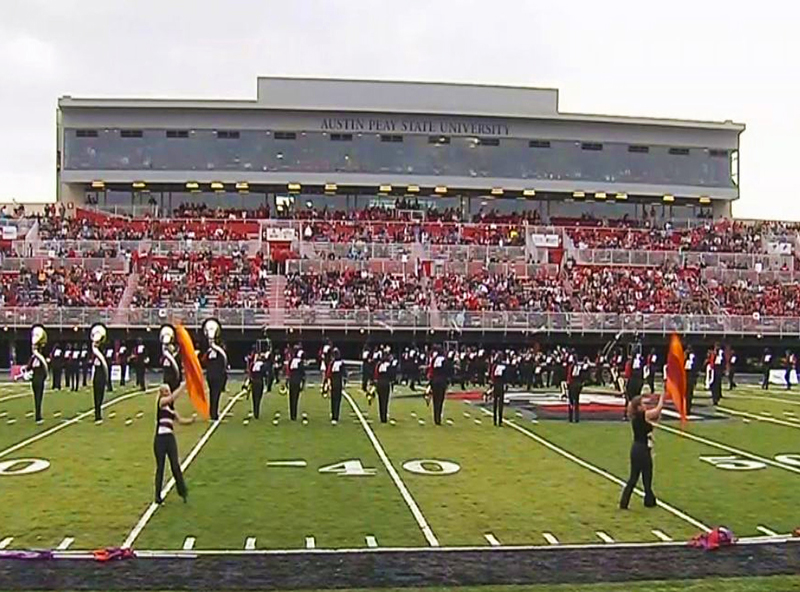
<point>193,372</point>
<point>676,375</point>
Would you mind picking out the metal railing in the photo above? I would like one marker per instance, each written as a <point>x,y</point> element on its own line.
<point>640,257</point>
<point>477,253</point>
<point>116,265</point>
<point>316,318</point>
<point>220,248</point>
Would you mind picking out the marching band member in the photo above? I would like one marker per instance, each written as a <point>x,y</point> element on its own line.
<point>215,361</point>
<point>718,369</point>
<point>165,444</point>
<point>498,380</point>
<point>171,370</point>
<point>652,361</point>
<point>383,384</point>
<point>110,356</point>
<point>337,376</point>
<point>139,362</point>
<point>75,367</point>
<point>367,368</point>
<point>325,354</point>
<point>438,375</point>
<point>57,363</point>
<point>257,368</point>
<point>38,366</point>
<point>790,363</point>
<point>766,368</point>
<point>68,366</point>
<point>122,358</point>
<point>296,378</point>
<point>634,371</point>
<point>85,365</point>
<point>690,366</point>
<point>575,377</point>
<point>732,360</point>
<point>101,377</point>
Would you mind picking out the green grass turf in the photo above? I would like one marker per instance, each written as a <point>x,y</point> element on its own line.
<point>101,477</point>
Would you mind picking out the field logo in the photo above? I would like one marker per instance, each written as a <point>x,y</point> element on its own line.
<point>23,466</point>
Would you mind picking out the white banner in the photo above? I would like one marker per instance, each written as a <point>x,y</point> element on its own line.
<point>549,241</point>
<point>778,376</point>
<point>10,232</point>
<point>776,248</point>
<point>277,234</point>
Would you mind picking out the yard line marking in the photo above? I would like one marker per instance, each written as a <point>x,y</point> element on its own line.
<point>662,536</point>
<point>766,531</point>
<point>188,544</point>
<point>18,396</point>
<point>550,538</point>
<point>604,537</point>
<point>6,542</point>
<point>372,542</point>
<point>758,398</point>
<point>783,422</point>
<point>412,505</point>
<point>311,543</point>
<point>69,422</point>
<point>151,509</point>
<point>287,463</point>
<point>250,544</point>
<point>727,448</point>
<point>65,544</point>
<point>603,473</point>
<point>491,539</point>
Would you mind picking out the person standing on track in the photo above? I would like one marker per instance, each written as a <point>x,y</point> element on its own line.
<point>215,361</point>
<point>101,376</point>
<point>38,366</point>
<point>164,445</point>
<point>577,372</point>
<point>642,420</point>
<point>383,384</point>
<point>337,376</point>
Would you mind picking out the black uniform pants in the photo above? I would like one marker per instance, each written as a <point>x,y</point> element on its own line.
<point>214,393</point>
<point>99,386</point>
<point>294,399</point>
<point>165,446</point>
<point>731,379</point>
<point>364,381</point>
<point>765,380</point>
<point>76,378</point>
<point>383,387</point>
<point>270,380</point>
<point>641,464</point>
<point>716,389</point>
<point>499,393</point>
<point>86,369</point>
<point>57,378</point>
<point>336,401</point>
<point>574,391</point>
<point>140,377</point>
<point>787,376</point>
<point>123,367</point>
<point>38,395</point>
<point>691,381</point>
<point>438,393</point>
<point>651,381</point>
<point>258,392</point>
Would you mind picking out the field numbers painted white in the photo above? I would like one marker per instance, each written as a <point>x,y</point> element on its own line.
<point>287,463</point>
<point>348,468</point>
<point>733,463</point>
<point>788,459</point>
<point>431,467</point>
<point>23,466</point>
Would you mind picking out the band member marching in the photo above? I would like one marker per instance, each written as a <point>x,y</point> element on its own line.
<point>498,379</point>
<point>438,374</point>
<point>577,374</point>
<point>383,384</point>
<point>337,376</point>
<point>642,420</point>
<point>122,358</point>
<point>296,378</point>
<point>85,365</point>
<point>165,446</point>
<point>38,366</point>
<point>215,361</point>
<point>257,369</point>
<point>169,358</point>
<point>110,359</point>
<point>57,364</point>
<point>766,368</point>
<point>691,367</point>
<point>634,371</point>
<point>718,368</point>
<point>652,362</point>
<point>139,361</point>
<point>101,376</point>
<point>325,358</point>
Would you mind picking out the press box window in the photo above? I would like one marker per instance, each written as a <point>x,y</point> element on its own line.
<point>130,133</point>
<point>639,149</point>
<point>539,144</point>
<point>488,142</point>
<point>227,135</point>
<point>718,153</point>
<point>679,151</point>
<point>285,135</point>
<point>86,133</point>
<point>341,137</point>
<point>392,139</point>
<point>177,133</point>
<point>592,146</point>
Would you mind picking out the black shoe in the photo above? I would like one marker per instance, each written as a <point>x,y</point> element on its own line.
<point>159,501</point>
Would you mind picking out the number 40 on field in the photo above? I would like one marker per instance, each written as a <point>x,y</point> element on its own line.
<point>354,467</point>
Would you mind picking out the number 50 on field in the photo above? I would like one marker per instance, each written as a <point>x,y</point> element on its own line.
<point>737,463</point>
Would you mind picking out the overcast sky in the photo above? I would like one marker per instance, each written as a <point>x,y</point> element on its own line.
<point>698,59</point>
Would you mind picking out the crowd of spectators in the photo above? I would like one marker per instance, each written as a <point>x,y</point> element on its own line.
<point>198,279</point>
<point>71,286</point>
<point>356,290</point>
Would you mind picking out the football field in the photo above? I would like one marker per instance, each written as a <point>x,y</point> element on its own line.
<point>273,484</point>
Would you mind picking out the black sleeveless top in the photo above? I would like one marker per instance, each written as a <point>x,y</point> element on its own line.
<point>641,428</point>
<point>165,418</point>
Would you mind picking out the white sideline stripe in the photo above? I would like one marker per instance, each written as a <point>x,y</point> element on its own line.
<point>250,544</point>
<point>65,544</point>
<point>661,535</point>
<point>614,479</point>
<point>727,448</point>
<point>412,505</point>
<point>311,543</point>
<point>6,542</point>
<point>148,513</point>
<point>69,422</point>
<point>782,422</point>
<point>604,537</point>
<point>188,544</point>
<point>491,539</point>
<point>550,538</point>
<point>372,542</point>
<point>766,531</point>
<point>173,554</point>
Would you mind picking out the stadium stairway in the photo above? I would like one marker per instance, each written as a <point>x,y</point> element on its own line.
<point>277,300</point>
<point>120,317</point>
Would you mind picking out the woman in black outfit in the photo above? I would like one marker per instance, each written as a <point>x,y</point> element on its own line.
<point>641,460</point>
<point>165,444</point>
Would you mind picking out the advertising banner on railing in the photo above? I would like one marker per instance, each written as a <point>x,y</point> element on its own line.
<point>547,241</point>
<point>779,248</point>
<point>10,233</point>
<point>284,235</point>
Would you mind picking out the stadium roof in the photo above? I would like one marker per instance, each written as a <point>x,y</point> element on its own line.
<point>374,96</point>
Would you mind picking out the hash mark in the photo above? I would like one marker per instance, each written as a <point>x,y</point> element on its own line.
<point>250,544</point>
<point>550,538</point>
<point>188,544</point>
<point>604,537</point>
<point>65,544</point>
<point>371,542</point>
<point>491,539</point>
<point>310,543</point>
<point>662,535</point>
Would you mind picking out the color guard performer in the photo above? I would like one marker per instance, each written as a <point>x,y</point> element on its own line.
<point>38,366</point>
<point>215,361</point>
<point>100,379</point>
<point>642,420</point>
<point>165,444</point>
<point>337,377</point>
